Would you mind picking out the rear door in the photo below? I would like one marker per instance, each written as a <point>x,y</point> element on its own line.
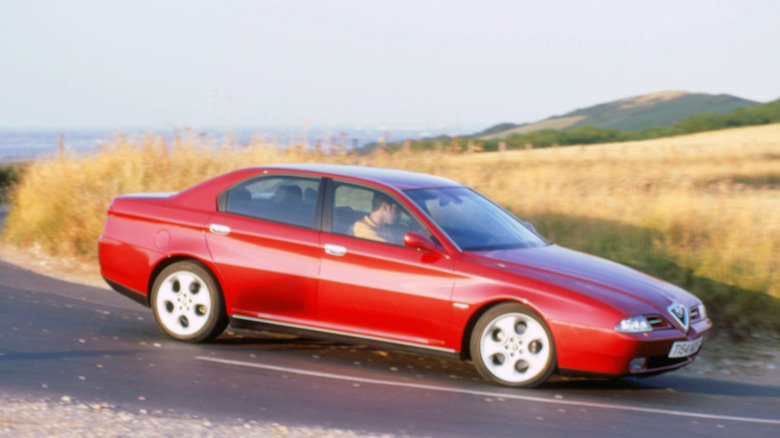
<point>265,244</point>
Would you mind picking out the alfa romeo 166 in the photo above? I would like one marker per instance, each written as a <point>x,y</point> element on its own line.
<point>372,255</point>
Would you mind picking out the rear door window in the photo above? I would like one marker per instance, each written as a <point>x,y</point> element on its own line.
<point>286,199</point>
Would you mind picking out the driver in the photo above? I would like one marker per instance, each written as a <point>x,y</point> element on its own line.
<point>378,225</point>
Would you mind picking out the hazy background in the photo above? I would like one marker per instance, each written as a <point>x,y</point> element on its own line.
<point>424,65</point>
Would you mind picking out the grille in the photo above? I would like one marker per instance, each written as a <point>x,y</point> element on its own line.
<point>657,322</point>
<point>654,362</point>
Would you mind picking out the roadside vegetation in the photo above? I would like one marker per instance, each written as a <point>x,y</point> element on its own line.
<point>700,211</point>
<point>9,177</point>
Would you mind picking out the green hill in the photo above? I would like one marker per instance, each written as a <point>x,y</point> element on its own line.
<point>636,113</point>
<point>759,114</point>
<point>550,135</point>
<point>655,115</point>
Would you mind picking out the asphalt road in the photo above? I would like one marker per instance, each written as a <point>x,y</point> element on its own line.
<point>59,338</point>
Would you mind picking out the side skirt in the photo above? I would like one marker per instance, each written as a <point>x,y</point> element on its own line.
<point>245,322</point>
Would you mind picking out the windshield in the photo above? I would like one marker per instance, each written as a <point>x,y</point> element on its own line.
<point>474,222</point>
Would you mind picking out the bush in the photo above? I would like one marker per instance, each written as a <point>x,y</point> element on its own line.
<point>10,174</point>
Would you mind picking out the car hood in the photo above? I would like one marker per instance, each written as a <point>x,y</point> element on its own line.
<point>590,275</point>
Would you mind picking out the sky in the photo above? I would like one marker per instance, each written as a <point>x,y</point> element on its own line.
<point>428,63</point>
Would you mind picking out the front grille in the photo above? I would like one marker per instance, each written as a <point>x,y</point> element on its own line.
<point>657,322</point>
<point>654,362</point>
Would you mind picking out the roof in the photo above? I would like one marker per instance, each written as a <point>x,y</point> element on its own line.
<point>400,179</point>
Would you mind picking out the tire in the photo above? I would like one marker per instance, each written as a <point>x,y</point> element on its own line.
<point>512,346</point>
<point>187,303</point>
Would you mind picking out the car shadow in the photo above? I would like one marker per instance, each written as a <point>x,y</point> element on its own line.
<point>667,383</point>
<point>262,338</point>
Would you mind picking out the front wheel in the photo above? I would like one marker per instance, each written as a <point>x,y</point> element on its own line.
<point>512,346</point>
<point>187,303</point>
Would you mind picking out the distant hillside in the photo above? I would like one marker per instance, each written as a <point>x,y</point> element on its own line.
<point>664,108</point>
<point>497,129</point>
<point>753,115</point>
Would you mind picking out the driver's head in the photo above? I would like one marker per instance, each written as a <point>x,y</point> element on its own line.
<point>387,208</point>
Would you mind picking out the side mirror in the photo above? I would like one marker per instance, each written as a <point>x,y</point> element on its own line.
<point>419,242</point>
<point>530,225</point>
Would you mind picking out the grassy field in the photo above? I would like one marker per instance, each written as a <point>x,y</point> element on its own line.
<point>701,211</point>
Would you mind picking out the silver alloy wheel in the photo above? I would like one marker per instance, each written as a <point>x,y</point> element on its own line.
<point>183,303</point>
<point>515,348</point>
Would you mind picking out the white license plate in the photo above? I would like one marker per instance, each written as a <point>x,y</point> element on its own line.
<point>685,348</point>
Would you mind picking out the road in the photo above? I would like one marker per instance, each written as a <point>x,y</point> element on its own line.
<point>91,344</point>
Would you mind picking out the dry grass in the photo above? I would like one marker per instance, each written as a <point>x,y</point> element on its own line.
<point>700,210</point>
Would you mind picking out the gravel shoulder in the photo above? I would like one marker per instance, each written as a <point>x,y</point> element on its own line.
<point>753,361</point>
<point>26,417</point>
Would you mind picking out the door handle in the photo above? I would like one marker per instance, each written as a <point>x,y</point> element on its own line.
<point>335,250</point>
<point>222,230</point>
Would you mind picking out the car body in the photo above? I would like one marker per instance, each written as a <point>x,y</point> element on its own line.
<point>277,247</point>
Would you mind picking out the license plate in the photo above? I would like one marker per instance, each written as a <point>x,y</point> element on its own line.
<point>685,348</point>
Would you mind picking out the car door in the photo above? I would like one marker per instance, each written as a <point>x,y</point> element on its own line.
<point>380,289</point>
<point>264,241</point>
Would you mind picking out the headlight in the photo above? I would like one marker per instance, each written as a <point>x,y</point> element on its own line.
<point>635,324</point>
<point>702,312</point>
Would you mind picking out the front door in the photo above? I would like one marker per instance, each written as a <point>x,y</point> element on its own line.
<point>373,286</point>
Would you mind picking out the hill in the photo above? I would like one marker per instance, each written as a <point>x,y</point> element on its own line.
<point>754,115</point>
<point>664,108</point>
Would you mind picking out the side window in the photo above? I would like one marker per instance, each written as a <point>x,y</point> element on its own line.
<point>371,214</point>
<point>285,199</point>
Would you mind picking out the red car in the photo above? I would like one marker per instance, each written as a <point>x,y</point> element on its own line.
<point>395,257</point>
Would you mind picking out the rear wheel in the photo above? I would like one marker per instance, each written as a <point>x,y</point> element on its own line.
<point>512,346</point>
<point>187,303</point>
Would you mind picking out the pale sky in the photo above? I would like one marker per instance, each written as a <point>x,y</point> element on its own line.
<point>244,64</point>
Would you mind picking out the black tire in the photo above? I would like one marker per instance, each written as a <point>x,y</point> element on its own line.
<point>512,346</point>
<point>187,303</point>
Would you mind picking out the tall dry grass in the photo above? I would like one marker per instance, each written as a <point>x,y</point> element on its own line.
<point>702,211</point>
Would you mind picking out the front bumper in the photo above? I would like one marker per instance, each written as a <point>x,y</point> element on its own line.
<point>585,350</point>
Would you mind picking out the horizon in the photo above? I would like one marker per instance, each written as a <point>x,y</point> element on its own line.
<point>457,128</point>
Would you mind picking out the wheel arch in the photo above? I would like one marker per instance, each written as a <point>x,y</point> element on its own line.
<point>465,341</point>
<point>170,260</point>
